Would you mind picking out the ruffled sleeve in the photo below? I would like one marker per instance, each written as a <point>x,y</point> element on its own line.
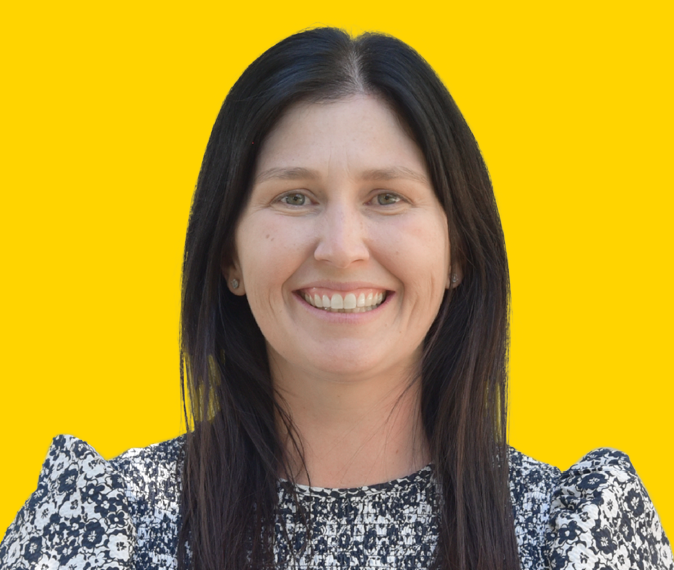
<point>602,518</point>
<point>77,518</point>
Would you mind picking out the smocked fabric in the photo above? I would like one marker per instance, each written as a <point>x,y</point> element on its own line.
<point>123,514</point>
<point>390,525</point>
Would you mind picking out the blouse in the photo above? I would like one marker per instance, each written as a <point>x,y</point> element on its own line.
<point>89,514</point>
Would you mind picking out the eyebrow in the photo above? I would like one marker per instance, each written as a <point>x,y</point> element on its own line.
<point>373,174</point>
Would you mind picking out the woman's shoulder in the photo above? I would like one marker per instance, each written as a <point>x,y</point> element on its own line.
<point>594,515</point>
<point>602,517</point>
<point>70,448</point>
<point>153,470</point>
<point>147,474</point>
<point>87,510</point>
<point>530,478</point>
<point>599,471</point>
<point>532,485</point>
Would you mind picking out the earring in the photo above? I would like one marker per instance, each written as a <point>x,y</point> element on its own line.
<point>234,283</point>
<point>454,278</point>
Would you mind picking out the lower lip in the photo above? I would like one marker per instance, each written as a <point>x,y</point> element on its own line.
<point>345,317</point>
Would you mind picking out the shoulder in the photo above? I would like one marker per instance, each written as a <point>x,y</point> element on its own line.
<point>602,517</point>
<point>594,515</point>
<point>532,486</point>
<point>146,473</point>
<point>530,478</point>
<point>152,472</point>
<point>152,477</point>
<point>89,512</point>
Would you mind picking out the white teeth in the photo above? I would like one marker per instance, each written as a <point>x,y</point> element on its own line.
<point>347,304</point>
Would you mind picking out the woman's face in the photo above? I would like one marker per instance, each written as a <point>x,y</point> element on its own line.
<point>343,248</point>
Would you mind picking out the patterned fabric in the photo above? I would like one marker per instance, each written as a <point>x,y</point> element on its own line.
<point>602,517</point>
<point>390,525</point>
<point>92,514</point>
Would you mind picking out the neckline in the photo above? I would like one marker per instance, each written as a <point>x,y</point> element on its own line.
<point>423,474</point>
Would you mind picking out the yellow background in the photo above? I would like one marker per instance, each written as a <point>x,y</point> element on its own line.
<point>106,110</point>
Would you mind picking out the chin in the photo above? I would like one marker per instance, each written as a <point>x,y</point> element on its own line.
<point>353,368</point>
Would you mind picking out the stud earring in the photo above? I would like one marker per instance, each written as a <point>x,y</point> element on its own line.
<point>454,278</point>
<point>234,283</point>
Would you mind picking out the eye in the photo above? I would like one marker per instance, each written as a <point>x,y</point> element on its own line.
<point>387,199</point>
<point>294,199</point>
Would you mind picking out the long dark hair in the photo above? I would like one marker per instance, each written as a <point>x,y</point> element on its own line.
<point>233,451</point>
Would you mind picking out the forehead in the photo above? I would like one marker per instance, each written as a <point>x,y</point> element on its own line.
<point>359,132</point>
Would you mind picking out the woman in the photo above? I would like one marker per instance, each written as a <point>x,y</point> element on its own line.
<point>344,343</point>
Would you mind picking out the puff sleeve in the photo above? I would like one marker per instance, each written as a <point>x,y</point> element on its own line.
<point>77,518</point>
<point>601,518</point>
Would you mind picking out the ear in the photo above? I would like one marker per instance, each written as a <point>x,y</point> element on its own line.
<point>231,271</point>
<point>455,276</point>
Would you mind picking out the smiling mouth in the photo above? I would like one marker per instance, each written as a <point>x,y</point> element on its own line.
<point>350,303</point>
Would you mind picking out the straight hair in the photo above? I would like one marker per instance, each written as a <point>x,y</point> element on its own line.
<point>233,451</point>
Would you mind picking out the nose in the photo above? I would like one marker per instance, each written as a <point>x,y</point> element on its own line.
<point>342,236</point>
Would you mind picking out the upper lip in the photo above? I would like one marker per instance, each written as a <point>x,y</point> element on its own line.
<point>337,286</point>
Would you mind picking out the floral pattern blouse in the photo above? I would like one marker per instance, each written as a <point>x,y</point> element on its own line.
<point>123,514</point>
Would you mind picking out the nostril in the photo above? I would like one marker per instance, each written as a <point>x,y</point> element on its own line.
<point>341,254</point>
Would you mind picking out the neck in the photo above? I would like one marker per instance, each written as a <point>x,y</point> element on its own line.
<point>352,433</point>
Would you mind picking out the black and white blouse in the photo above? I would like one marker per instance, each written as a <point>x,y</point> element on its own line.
<point>123,514</point>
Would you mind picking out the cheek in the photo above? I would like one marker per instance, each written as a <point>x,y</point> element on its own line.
<point>419,251</point>
<point>271,251</point>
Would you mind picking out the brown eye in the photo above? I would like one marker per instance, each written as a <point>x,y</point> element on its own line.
<point>294,199</point>
<point>387,198</point>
